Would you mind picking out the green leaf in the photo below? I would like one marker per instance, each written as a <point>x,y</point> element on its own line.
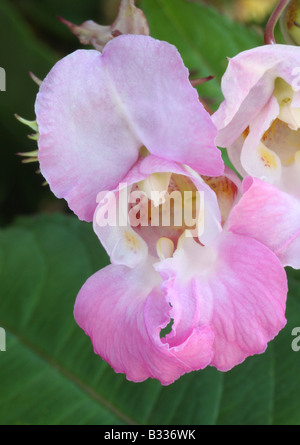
<point>50,375</point>
<point>20,52</point>
<point>44,17</point>
<point>203,37</point>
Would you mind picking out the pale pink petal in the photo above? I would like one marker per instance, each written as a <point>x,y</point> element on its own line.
<point>252,155</point>
<point>234,153</point>
<point>164,109</point>
<point>268,150</point>
<point>145,166</point>
<point>95,112</point>
<point>272,217</point>
<point>241,290</point>
<point>82,132</point>
<point>111,223</point>
<point>123,311</point>
<point>248,84</point>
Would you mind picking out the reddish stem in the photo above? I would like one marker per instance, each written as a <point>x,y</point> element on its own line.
<point>196,82</point>
<point>269,31</point>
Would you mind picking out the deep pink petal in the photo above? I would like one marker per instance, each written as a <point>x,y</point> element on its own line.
<point>252,311</point>
<point>241,290</point>
<point>272,217</point>
<point>123,311</point>
<point>95,112</point>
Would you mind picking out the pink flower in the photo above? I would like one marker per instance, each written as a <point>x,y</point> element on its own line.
<point>129,122</point>
<point>259,121</point>
<point>220,294</point>
<point>98,114</point>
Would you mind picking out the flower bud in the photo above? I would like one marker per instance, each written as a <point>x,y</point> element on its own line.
<point>290,23</point>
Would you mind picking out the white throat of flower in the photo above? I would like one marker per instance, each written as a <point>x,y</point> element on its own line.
<point>276,158</point>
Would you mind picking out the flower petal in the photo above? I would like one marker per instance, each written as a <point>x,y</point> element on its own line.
<point>241,288</point>
<point>272,217</point>
<point>123,311</point>
<point>251,312</point>
<point>256,158</point>
<point>95,112</point>
<point>248,84</point>
<point>227,189</point>
<point>114,203</point>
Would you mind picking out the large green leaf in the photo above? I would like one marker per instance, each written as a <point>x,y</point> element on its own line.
<point>44,17</point>
<point>32,39</point>
<point>50,375</point>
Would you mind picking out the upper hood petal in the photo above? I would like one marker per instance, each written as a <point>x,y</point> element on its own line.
<point>95,111</point>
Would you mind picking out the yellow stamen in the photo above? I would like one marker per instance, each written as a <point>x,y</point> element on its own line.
<point>164,248</point>
<point>155,187</point>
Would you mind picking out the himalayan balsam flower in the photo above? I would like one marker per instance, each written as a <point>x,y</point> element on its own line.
<point>97,114</point>
<point>130,116</point>
<point>259,124</point>
<point>222,295</point>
